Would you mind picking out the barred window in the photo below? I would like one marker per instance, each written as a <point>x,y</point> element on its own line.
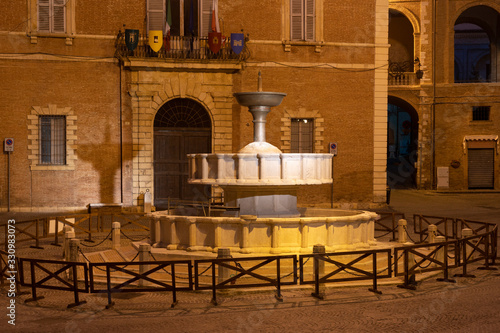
<point>302,138</point>
<point>481,113</point>
<point>52,140</point>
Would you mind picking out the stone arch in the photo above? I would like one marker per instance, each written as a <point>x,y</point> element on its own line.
<point>181,126</point>
<point>402,143</point>
<point>414,20</point>
<point>484,18</point>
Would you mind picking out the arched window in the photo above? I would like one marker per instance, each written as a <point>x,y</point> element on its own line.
<point>182,113</point>
<point>475,45</point>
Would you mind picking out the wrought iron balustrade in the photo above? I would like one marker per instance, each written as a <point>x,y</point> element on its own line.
<point>181,48</point>
<point>403,73</point>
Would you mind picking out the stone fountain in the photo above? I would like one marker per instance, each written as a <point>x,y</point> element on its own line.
<point>262,181</point>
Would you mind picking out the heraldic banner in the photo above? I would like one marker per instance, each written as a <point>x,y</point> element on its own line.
<point>155,40</point>
<point>215,41</point>
<point>131,38</point>
<point>237,42</point>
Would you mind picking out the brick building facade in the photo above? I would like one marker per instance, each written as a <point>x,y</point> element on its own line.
<point>450,138</point>
<point>94,122</point>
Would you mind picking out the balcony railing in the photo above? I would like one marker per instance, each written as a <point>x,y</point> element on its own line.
<point>403,79</point>
<point>403,74</point>
<point>181,48</point>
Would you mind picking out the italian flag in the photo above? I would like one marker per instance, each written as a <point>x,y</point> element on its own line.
<point>167,27</point>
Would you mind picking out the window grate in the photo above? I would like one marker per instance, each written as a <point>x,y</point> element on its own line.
<point>302,135</point>
<point>182,112</point>
<point>53,140</point>
<point>481,113</point>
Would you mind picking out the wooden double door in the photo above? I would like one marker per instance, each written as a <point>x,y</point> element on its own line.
<point>171,147</point>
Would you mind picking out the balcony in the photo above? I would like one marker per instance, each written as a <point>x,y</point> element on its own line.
<point>185,53</point>
<point>403,74</point>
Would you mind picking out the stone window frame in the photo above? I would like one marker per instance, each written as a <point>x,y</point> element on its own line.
<point>34,136</point>
<point>69,23</point>
<point>318,27</point>
<point>286,129</point>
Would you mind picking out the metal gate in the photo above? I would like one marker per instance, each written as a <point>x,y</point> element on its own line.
<point>481,168</point>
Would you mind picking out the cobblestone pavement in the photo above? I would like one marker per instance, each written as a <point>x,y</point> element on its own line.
<point>469,305</point>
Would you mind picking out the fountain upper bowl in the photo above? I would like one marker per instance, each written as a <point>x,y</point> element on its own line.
<point>259,98</point>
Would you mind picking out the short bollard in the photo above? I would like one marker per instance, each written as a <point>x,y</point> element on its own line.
<point>442,256</point>
<point>402,231</point>
<point>68,235</point>
<point>223,253</point>
<point>319,270</point>
<point>147,202</point>
<point>144,255</point>
<point>432,230</point>
<point>115,235</point>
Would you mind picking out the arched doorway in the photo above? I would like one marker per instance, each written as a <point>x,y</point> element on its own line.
<point>402,144</point>
<point>182,126</point>
<point>475,45</point>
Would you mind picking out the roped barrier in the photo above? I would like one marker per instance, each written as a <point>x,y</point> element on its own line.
<point>446,226</point>
<point>48,227</point>
<point>417,258</point>
<point>386,218</point>
<point>226,282</point>
<point>137,276</point>
<point>476,248</point>
<point>413,260</point>
<point>320,259</point>
<point>65,283</point>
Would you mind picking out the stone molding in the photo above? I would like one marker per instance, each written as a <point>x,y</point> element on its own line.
<point>286,129</point>
<point>150,90</point>
<point>34,136</point>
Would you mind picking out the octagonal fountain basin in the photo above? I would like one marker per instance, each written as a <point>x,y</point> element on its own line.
<point>336,229</point>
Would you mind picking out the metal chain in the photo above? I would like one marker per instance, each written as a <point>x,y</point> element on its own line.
<point>163,268</point>
<point>133,240</point>
<point>83,240</point>
<point>387,233</point>
<point>406,231</point>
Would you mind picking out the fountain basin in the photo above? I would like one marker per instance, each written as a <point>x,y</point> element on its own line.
<point>337,230</point>
<point>253,169</point>
<point>259,98</point>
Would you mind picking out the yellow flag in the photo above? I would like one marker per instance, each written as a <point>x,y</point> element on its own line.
<point>155,39</point>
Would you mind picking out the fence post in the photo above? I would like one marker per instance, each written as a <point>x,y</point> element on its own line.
<point>466,232</point>
<point>319,270</point>
<point>115,235</point>
<point>74,245</point>
<point>442,256</point>
<point>37,237</point>
<point>402,223</point>
<point>223,253</point>
<point>144,255</point>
